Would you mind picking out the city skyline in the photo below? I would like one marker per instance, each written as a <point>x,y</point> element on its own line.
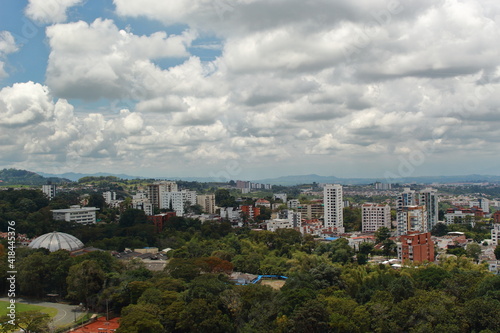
<point>250,89</point>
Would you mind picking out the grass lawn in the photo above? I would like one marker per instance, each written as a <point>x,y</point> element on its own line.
<point>27,307</point>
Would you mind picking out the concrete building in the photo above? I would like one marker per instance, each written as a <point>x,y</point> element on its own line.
<point>311,211</point>
<point>109,196</point>
<point>293,217</point>
<point>50,190</point>
<point>144,205</point>
<point>77,214</point>
<point>276,224</point>
<point>155,191</point>
<point>406,198</point>
<point>263,203</point>
<point>495,234</point>
<point>383,186</point>
<point>242,184</point>
<point>230,213</point>
<point>416,247</point>
<point>428,198</point>
<point>281,196</point>
<point>206,201</point>
<point>177,201</point>
<point>411,218</point>
<point>458,215</point>
<point>375,216</point>
<point>160,220</point>
<point>333,207</point>
<point>293,203</point>
<point>250,211</point>
<point>496,217</point>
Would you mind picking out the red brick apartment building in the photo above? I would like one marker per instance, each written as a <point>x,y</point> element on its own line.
<point>417,247</point>
<point>251,211</point>
<point>160,220</point>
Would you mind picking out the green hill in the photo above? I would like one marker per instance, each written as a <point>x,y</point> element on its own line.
<point>24,177</point>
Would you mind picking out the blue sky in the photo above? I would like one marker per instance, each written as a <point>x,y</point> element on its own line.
<point>250,89</point>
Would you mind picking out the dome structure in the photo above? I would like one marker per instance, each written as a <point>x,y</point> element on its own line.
<point>56,241</point>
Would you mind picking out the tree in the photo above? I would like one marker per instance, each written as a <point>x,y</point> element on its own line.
<point>311,317</point>
<point>389,247</point>
<point>440,229</point>
<point>382,234</point>
<point>140,318</point>
<point>482,314</point>
<point>32,274</point>
<point>365,248</point>
<point>85,280</point>
<point>473,251</point>
<point>401,288</point>
<point>131,217</point>
<point>352,219</point>
<point>497,252</point>
<point>224,199</point>
<point>28,321</point>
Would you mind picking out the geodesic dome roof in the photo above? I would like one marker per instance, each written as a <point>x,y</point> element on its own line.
<point>56,241</point>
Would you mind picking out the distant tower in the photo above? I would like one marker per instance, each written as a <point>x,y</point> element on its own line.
<point>50,190</point>
<point>406,198</point>
<point>411,218</point>
<point>333,207</point>
<point>429,199</point>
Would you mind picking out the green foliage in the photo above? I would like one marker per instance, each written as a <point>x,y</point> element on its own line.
<point>497,252</point>
<point>85,280</point>
<point>132,216</point>
<point>473,251</point>
<point>352,218</point>
<point>382,234</point>
<point>28,321</point>
<point>439,230</point>
<point>224,199</point>
<point>23,177</point>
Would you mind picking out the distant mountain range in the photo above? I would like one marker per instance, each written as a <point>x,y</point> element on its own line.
<point>23,177</point>
<point>309,179</point>
<point>74,176</point>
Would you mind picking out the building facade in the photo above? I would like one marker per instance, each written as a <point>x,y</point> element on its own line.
<point>206,201</point>
<point>109,196</point>
<point>418,247</point>
<point>428,198</point>
<point>333,213</point>
<point>155,191</point>
<point>50,190</point>
<point>311,211</point>
<point>160,220</point>
<point>375,216</point>
<point>495,234</point>
<point>77,214</point>
<point>411,218</point>
<point>177,201</point>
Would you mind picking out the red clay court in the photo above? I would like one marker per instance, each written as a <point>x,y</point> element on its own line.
<point>101,325</point>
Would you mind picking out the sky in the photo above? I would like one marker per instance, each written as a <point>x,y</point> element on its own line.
<point>251,89</point>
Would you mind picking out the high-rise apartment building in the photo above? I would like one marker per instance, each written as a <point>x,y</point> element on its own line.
<point>375,216</point>
<point>416,247</point>
<point>411,218</point>
<point>109,196</point>
<point>406,198</point>
<point>333,207</point>
<point>177,201</point>
<point>155,191</point>
<point>50,190</point>
<point>207,202</point>
<point>428,198</point>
